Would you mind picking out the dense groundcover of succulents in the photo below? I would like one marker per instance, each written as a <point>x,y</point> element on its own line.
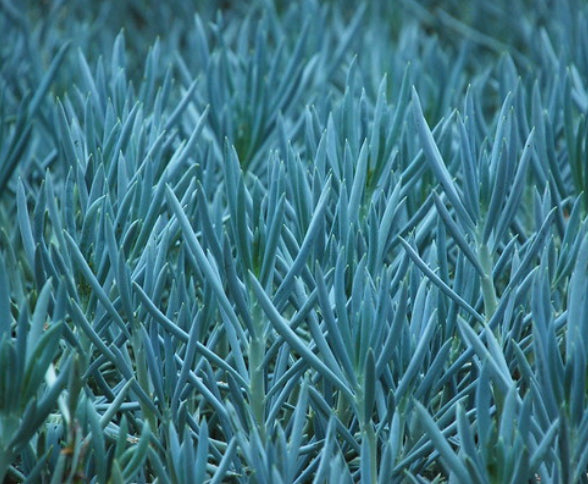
<point>289,242</point>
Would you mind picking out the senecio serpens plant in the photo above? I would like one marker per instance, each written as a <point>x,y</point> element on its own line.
<point>291,242</point>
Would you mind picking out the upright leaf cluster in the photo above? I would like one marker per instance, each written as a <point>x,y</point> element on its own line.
<point>293,242</point>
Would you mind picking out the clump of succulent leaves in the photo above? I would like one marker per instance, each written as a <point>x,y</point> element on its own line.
<point>291,242</point>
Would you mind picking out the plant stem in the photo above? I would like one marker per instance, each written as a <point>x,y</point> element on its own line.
<point>488,289</point>
<point>370,434</point>
<point>142,375</point>
<point>256,373</point>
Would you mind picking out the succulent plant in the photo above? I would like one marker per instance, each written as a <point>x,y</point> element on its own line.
<point>293,242</point>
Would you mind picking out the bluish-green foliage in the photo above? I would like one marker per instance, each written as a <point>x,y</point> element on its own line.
<point>307,241</point>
